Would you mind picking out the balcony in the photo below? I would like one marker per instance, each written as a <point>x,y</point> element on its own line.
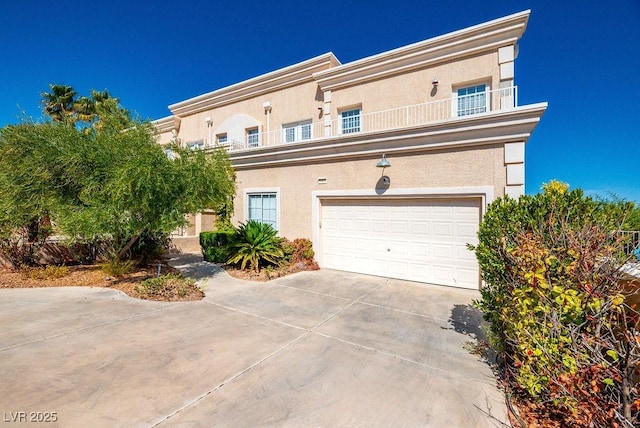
<point>386,120</point>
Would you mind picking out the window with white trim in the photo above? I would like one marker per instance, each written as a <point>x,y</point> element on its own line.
<point>263,207</point>
<point>253,137</point>
<point>195,145</point>
<point>350,121</point>
<point>472,100</point>
<point>297,131</point>
<point>221,139</point>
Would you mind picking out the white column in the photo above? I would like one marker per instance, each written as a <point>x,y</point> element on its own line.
<point>326,113</point>
<point>514,163</point>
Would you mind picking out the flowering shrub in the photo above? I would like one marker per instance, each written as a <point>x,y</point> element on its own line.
<point>557,306</point>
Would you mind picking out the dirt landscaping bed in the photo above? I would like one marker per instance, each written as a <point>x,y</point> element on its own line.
<point>94,276</point>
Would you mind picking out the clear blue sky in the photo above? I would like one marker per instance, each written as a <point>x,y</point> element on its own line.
<point>582,57</point>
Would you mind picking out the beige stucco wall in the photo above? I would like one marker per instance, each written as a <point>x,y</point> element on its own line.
<point>300,102</point>
<point>292,104</point>
<point>436,169</point>
<point>415,87</point>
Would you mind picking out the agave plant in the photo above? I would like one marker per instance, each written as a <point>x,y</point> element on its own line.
<point>255,243</point>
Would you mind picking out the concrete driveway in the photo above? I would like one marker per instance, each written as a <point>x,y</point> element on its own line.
<point>320,349</point>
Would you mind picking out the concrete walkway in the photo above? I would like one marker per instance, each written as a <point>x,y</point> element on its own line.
<point>319,349</point>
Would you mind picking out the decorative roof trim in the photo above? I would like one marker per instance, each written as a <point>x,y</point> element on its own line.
<point>275,80</point>
<point>458,44</point>
<point>164,124</point>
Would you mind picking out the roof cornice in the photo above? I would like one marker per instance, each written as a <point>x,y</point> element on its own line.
<point>458,44</point>
<point>164,124</point>
<point>275,80</point>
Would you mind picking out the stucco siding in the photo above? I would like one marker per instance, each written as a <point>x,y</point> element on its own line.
<point>438,169</point>
<point>416,87</point>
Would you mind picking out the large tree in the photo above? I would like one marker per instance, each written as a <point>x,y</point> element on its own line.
<point>111,184</point>
<point>59,104</point>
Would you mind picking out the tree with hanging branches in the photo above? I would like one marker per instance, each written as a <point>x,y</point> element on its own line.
<point>107,182</point>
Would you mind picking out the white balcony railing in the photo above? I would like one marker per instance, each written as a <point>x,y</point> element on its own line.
<point>397,118</point>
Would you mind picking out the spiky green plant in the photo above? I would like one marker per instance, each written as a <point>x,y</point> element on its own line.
<point>254,244</point>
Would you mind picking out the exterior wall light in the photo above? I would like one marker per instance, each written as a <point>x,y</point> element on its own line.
<point>383,162</point>
<point>434,82</point>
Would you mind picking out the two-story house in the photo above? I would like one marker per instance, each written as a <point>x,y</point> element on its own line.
<point>386,163</point>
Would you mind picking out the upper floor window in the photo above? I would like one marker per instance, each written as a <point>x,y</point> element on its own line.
<point>350,121</point>
<point>253,137</point>
<point>195,145</point>
<point>472,100</point>
<point>296,131</point>
<point>221,139</point>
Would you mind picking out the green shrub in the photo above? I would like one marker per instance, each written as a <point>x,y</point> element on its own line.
<point>215,245</point>
<point>255,244</point>
<point>555,302</point>
<point>118,268</point>
<point>48,272</point>
<point>167,287</point>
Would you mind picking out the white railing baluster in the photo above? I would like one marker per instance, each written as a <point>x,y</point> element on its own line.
<point>411,115</point>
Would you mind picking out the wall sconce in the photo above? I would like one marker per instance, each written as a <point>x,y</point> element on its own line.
<point>434,82</point>
<point>383,162</point>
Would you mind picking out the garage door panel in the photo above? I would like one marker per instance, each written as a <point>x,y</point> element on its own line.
<point>361,245</point>
<point>443,274</point>
<point>398,269</point>
<point>464,255</point>
<point>419,228</point>
<point>416,239</point>
<point>443,229</point>
<point>379,226</point>
<point>466,276</point>
<point>338,261</point>
<point>361,225</point>
<point>330,224</point>
<point>418,250</point>
<point>397,226</point>
<point>345,224</point>
<point>442,209</point>
<point>398,248</point>
<point>377,246</point>
<point>468,232</point>
<point>442,251</point>
<point>372,266</point>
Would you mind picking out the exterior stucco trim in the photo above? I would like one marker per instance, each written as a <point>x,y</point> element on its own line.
<point>280,79</point>
<point>448,47</point>
<point>164,124</point>
<point>497,127</point>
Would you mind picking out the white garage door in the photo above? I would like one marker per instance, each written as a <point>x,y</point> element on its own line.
<point>421,240</point>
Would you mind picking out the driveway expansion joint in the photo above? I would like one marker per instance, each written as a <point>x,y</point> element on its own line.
<point>306,331</point>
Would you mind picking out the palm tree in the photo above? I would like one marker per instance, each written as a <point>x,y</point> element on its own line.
<point>108,109</point>
<point>59,103</point>
<point>84,109</point>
